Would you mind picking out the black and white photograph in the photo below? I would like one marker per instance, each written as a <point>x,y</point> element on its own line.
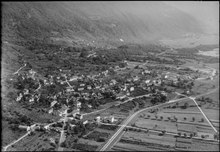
<point>110,75</point>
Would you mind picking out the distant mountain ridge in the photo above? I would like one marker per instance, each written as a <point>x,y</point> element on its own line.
<point>95,21</point>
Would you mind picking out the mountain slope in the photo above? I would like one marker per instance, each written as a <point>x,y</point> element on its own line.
<point>98,21</point>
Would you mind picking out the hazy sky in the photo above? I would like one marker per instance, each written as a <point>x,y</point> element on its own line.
<point>205,11</point>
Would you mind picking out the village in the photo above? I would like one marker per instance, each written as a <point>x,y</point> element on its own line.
<point>70,97</point>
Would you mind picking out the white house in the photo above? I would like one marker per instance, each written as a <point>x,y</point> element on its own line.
<point>82,85</point>
<point>53,103</point>
<point>74,78</point>
<point>50,111</point>
<point>78,105</point>
<point>112,119</point>
<point>98,118</point>
<point>80,89</point>
<point>23,127</point>
<point>19,97</point>
<point>85,122</point>
<point>26,91</point>
<point>147,81</point>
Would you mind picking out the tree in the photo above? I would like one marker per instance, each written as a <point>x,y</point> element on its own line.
<point>193,119</point>
<point>202,120</point>
<point>177,104</point>
<point>184,118</point>
<point>63,144</point>
<point>185,106</point>
<point>163,132</point>
<point>216,136</point>
<point>161,117</point>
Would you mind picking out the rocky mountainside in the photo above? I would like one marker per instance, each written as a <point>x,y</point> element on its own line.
<point>94,22</point>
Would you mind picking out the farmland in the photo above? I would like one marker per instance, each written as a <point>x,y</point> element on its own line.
<point>172,127</point>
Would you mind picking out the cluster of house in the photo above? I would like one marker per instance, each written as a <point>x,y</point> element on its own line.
<point>93,86</point>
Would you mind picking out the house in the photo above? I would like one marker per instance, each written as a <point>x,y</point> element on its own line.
<point>85,122</point>
<point>23,127</point>
<point>69,89</point>
<point>78,105</point>
<point>113,81</point>
<point>82,85</point>
<point>80,89</point>
<point>74,78</point>
<point>75,112</point>
<point>97,87</point>
<point>72,125</point>
<point>26,91</point>
<point>31,99</point>
<point>53,103</point>
<point>112,119</point>
<point>52,141</point>
<point>125,88</point>
<point>147,81</point>
<point>98,118</point>
<point>89,87</point>
<point>132,89</point>
<point>121,97</point>
<point>19,97</point>
<point>79,116</point>
<point>136,78</point>
<point>164,93</point>
<point>50,111</point>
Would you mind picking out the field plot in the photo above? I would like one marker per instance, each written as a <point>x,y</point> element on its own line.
<point>183,143</point>
<point>150,138</point>
<point>147,144</point>
<point>156,124</point>
<point>132,147</point>
<point>187,128</point>
<point>204,86</point>
<point>204,145</point>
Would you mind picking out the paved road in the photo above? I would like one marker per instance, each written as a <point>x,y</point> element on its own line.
<point>106,146</point>
<point>62,134</point>
<point>38,87</point>
<point>19,69</point>
<point>193,98</point>
<point>6,147</point>
<point>129,119</point>
<point>203,114</point>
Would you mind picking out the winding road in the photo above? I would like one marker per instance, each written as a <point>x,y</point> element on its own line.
<point>20,69</point>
